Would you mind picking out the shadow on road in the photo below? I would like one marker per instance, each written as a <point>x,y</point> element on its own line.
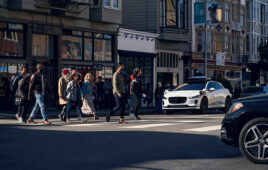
<point>47,149</point>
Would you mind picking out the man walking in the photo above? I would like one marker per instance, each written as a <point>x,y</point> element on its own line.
<point>62,85</point>
<point>37,88</point>
<point>119,94</point>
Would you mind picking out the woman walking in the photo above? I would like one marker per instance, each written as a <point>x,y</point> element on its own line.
<point>87,92</point>
<point>74,97</point>
<point>136,93</point>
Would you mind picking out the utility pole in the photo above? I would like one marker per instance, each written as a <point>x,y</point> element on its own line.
<point>206,38</point>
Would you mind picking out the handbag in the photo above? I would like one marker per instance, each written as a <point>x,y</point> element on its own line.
<point>18,100</point>
<point>85,108</point>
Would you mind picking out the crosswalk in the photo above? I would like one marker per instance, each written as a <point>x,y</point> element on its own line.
<point>187,124</point>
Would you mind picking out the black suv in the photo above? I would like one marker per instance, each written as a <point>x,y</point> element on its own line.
<point>246,125</point>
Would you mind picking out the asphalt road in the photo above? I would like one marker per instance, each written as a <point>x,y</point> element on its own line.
<point>179,141</point>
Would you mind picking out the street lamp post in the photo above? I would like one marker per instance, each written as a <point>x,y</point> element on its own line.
<point>206,33</point>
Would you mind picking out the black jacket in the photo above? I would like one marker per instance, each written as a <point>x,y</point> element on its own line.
<point>35,85</point>
<point>136,88</point>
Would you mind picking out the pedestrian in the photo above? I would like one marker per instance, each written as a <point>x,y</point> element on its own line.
<point>100,94</point>
<point>37,88</point>
<point>158,98</point>
<point>62,85</point>
<point>74,97</point>
<point>119,94</point>
<point>14,88</point>
<point>87,92</point>
<point>149,95</point>
<point>108,93</point>
<point>22,92</point>
<point>136,93</point>
<point>237,92</point>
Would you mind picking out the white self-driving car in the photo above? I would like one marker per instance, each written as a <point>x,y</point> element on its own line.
<point>198,94</point>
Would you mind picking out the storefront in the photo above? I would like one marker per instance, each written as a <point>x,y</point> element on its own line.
<point>57,48</point>
<point>137,49</point>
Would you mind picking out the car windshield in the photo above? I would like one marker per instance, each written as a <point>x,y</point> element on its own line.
<point>253,90</point>
<point>192,87</point>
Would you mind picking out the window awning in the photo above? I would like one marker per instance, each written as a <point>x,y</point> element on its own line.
<point>135,54</point>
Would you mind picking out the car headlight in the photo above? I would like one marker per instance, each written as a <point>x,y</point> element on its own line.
<point>236,107</point>
<point>194,97</point>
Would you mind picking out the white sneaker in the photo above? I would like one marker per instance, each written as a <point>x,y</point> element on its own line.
<point>20,120</point>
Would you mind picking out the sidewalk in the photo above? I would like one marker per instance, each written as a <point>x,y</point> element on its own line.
<point>53,113</point>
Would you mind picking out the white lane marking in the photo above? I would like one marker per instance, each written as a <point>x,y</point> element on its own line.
<point>190,121</point>
<point>83,125</point>
<point>148,126</point>
<point>205,129</point>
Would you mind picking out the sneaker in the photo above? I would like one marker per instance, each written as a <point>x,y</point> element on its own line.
<point>122,121</point>
<point>61,116</point>
<point>46,122</point>
<point>67,120</point>
<point>17,116</point>
<point>84,120</point>
<point>108,115</point>
<point>132,116</point>
<point>137,118</point>
<point>20,120</point>
<point>31,120</point>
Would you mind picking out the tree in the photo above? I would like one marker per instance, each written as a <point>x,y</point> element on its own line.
<point>263,63</point>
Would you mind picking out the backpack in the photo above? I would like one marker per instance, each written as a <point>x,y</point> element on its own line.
<point>12,88</point>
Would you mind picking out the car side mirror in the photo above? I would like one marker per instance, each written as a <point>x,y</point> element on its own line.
<point>212,89</point>
<point>201,92</point>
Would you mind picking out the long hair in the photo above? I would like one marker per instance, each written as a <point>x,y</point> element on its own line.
<point>87,77</point>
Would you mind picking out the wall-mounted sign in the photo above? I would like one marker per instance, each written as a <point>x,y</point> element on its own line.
<point>97,67</point>
<point>199,13</point>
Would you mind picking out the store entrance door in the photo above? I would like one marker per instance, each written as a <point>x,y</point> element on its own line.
<point>51,74</point>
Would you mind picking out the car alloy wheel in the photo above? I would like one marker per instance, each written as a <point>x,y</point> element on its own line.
<point>253,140</point>
<point>204,106</point>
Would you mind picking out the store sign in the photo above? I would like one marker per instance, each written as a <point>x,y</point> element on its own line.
<point>199,13</point>
<point>220,59</point>
<point>15,26</point>
<point>213,14</point>
<point>97,67</point>
<point>12,69</point>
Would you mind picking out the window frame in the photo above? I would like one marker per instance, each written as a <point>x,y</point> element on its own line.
<point>12,30</point>
<point>103,38</point>
<point>177,14</point>
<point>112,5</point>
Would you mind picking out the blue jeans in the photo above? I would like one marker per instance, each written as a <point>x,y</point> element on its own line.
<point>78,105</point>
<point>39,103</point>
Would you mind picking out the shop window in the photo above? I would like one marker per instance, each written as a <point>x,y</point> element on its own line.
<point>12,43</point>
<point>105,73</point>
<point>88,49</point>
<point>102,50</point>
<point>71,48</point>
<point>42,45</point>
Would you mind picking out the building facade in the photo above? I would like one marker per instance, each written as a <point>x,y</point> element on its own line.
<point>257,33</point>
<point>171,19</point>
<point>137,49</point>
<point>226,40</point>
<point>59,34</point>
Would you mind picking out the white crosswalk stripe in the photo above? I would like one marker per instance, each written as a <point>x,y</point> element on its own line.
<point>148,126</point>
<point>205,129</point>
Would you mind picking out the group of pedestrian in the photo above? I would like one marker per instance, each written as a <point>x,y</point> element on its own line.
<point>32,88</point>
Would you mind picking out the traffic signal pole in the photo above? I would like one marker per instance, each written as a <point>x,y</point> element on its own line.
<point>206,38</point>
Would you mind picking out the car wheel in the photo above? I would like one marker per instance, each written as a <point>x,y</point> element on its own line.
<point>228,103</point>
<point>204,106</point>
<point>253,140</point>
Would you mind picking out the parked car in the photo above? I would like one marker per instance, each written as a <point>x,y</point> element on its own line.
<point>253,91</point>
<point>246,125</point>
<point>198,94</point>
